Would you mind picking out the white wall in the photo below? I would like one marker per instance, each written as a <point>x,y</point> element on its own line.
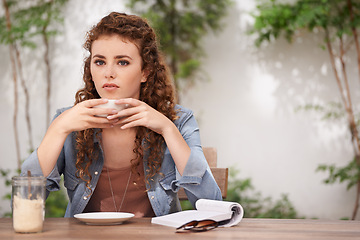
<point>246,110</point>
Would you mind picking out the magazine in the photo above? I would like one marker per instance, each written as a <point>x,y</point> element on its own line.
<point>226,213</point>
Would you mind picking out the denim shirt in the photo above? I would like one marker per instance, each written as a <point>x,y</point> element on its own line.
<point>197,179</point>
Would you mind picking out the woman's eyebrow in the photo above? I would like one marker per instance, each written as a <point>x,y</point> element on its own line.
<point>116,57</point>
<point>122,56</point>
<point>98,56</point>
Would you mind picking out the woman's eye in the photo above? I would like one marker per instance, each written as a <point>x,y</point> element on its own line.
<point>99,62</point>
<point>123,62</point>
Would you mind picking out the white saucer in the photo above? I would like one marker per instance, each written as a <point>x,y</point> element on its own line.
<point>104,218</point>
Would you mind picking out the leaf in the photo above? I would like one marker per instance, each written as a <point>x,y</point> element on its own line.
<point>349,173</point>
<point>7,196</point>
<point>284,19</point>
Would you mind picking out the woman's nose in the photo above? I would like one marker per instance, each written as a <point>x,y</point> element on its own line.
<point>110,72</point>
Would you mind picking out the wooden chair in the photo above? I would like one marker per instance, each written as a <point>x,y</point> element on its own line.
<point>220,174</point>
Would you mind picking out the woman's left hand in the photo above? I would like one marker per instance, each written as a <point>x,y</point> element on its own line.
<point>139,113</point>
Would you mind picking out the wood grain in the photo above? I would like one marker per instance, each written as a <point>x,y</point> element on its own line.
<point>70,228</point>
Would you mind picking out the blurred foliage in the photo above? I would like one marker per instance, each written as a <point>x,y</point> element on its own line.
<point>6,175</point>
<point>56,203</point>
<point>29,19</point>
<point>347,174</point>
<point>275,19</point>
<point>186,205</point>
<point>328,111</point>
<point>181,25</point>
<point>254,204</point>
<point>338,22</point>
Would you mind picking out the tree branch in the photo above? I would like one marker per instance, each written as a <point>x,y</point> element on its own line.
<point>332,60</point>
<point>48,75</point>
<point>27,97</point>
<point>357,199</point>
<point>13,66</point>
<point>353,29</point>
<point>352,123</point>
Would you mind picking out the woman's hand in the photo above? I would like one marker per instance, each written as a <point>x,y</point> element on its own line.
<point>80,117</point>
<point>83,116</point>
<point>140,114</point>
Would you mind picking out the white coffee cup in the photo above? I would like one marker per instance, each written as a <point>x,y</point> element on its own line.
<point>111,104</point>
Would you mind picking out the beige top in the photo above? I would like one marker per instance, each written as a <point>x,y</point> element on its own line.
<point>135,200</point>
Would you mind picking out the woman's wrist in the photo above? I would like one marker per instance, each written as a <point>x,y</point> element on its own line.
<point>169,129</point>
<point>60,127</point>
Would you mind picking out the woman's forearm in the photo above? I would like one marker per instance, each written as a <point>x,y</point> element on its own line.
<point>179,149</point>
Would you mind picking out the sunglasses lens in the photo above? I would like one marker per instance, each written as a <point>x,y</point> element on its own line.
<point>188,226</point>
<point>199,226</point>
<point>205,225</point>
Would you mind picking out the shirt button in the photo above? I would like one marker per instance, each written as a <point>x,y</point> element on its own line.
<point>96,173</point>
<point>85,198</point>
<point>152,197</point>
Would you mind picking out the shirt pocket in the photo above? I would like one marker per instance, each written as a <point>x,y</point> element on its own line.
<point>70,181</point>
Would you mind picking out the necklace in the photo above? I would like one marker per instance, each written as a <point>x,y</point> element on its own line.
<point>112,192</point>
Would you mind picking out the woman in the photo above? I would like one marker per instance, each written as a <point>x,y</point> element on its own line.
<point>133,160</point>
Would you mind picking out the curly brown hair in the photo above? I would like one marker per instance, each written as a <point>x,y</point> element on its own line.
<point>158,92</point>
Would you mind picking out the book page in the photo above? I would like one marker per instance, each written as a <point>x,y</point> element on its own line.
<point>233,208</point>
<point>213,205</point>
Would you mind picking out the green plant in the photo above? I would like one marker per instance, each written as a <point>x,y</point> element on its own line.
<point>337,21</point>
<point>55,205</point>
<point>254,204</point>
<point>347,174</point>
<point>181,26</point>
<point>5,175</point>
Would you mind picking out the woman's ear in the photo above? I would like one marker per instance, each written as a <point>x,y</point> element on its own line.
<point>144,76</point>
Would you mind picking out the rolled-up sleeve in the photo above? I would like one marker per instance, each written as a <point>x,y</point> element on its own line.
<point>197,179</point>
<point>32,164</point>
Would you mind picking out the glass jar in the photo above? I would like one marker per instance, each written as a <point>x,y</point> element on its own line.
<point>28,204</point>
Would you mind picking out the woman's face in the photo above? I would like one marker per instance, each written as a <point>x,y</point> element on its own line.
<point>115,67</point>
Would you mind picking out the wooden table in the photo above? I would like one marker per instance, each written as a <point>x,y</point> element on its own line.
<point>70,228</point>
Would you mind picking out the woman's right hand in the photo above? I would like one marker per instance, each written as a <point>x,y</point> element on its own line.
<point>80,117</point>
<point>83,116</point>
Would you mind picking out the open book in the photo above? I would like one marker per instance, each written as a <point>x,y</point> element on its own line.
<point>226,213</point>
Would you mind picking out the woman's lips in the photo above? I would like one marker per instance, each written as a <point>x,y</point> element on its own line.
<point>110,86</point>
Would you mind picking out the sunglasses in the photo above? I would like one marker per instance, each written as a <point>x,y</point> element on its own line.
<point>198,226</point>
